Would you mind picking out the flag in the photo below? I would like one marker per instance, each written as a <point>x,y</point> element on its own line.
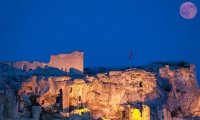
<point>130,55</point>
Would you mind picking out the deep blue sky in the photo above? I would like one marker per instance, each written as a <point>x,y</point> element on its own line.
<point>105,30</point>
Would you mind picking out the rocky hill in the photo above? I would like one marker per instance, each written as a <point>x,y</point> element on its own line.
<point>159,91</point>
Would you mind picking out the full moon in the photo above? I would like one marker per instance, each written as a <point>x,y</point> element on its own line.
<point>188,10</point>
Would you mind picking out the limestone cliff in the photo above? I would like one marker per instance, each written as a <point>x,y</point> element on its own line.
<point>184,97</point>
<point>170,91</point>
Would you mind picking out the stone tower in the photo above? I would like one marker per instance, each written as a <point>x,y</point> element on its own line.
<point>68,62</point>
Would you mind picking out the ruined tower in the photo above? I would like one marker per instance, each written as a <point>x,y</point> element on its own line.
<point>68,62</point>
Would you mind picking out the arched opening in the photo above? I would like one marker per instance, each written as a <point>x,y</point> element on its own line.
<point>79,98</point>
<point>123,114</point>
<point>46,66</point>
<point>59,99</point>
<point>24,67</point>
<point>42,102</point>
<point>70,90</point>
<point>140,84</point>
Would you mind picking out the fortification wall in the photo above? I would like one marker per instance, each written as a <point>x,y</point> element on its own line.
<point>66,62</point>
<point>25,65</point>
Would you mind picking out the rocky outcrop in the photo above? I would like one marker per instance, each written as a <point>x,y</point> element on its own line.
<point>108,92</point>
<point>184,97</point>
<point>166,91</point>
<point>59,89</point>
<point>34,87</point>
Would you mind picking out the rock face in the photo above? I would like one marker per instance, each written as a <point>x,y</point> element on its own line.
<point>32,86</point>
<point>183,99</point>
<point>159,91</point>
<point>104,95</point>
<point>107,93</point>
<point>170,92</point>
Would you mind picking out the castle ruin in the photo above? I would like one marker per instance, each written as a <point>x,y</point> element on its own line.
<point>64,62</point>
<point>159,91</point>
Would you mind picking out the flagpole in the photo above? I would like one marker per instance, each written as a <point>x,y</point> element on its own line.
<point>130,58</point>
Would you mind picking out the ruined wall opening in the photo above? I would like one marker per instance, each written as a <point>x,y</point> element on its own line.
<point>24,67</point>
<point>59,99</point>
<point>42,102</point>
<point>70,90</point>
<point>140,84</point>
<point>79,98</point>
<point>46,66</point>
<point>124,114</point>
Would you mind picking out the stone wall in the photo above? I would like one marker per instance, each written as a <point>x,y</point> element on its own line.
<point>72,62</point>
<point>66,62</point>
<point>25,65</point>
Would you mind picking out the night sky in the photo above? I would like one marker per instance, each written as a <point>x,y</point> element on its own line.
<point>106,30</point>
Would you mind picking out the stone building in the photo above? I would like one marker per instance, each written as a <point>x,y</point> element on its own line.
<point>139,112</point>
